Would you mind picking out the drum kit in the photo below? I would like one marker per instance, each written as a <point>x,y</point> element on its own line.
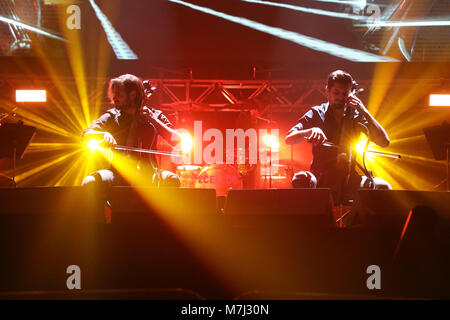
<point>221,177</point>
<point>224,177</point>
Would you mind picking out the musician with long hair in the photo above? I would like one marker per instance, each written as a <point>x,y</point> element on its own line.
<point>130,123</point>
<point>332,127</point>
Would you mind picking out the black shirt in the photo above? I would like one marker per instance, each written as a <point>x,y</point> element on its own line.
<point>324,157</point>
<point>130,131</point>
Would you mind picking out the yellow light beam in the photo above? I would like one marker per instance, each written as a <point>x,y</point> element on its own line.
<point>213,253</point>
<point>47,163</point>
<point>66,94</point>
<point>76,61</point>
<point>382,81</point>
<point>410,97</point>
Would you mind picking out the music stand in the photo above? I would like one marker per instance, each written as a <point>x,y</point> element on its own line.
<point>438,138</point>
<point>14,140</point>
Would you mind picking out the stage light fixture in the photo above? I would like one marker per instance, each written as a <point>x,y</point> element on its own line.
<point>31,95</point>
<point>439,100</point>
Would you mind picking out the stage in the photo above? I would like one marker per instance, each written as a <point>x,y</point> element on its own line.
<point>253,247</point>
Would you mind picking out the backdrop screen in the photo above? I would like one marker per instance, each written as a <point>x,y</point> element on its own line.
<point>228,30</point>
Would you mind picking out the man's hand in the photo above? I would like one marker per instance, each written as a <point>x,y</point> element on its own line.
<point>108,139</point>
<point>376,132</point>
<point>165,130</point>
<point>149,114</point>
<point>355,103</point>
<point>316,136</point>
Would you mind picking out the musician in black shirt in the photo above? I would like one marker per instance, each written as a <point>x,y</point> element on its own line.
<point>129,123</point>
<point>331,128</point>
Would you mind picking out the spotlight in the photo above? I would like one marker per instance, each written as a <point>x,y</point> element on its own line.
<point>31,95</point>
<point>186,142</point>
<point>359,147</point>
<point>271,141</point>
<point>93,145</point>
<point>96,149</point>
<point>439,100</point>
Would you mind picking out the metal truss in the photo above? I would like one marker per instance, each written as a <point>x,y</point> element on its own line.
<point>202,95</point>
<point>229,95</point>
<point>210,95</point>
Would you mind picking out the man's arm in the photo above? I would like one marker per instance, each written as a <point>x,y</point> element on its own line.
<point>98,128</point>
<point>166,130</point>
<point>314,135</point>
<point>377,133</point>
<point>106,137</point>
<point>295,136</point>
<point>306,128</point>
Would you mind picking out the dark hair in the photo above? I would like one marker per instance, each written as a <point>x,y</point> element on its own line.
<point>341,77</point>
<point>129,83</point>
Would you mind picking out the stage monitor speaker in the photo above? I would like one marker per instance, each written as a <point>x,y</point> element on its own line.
<point>389,208</point>
<point>295,208</point>
<point>63,204</point>
<point>384,215</point>
<point>44,230</point>
<point>152,233</point>
<point>145,201</point>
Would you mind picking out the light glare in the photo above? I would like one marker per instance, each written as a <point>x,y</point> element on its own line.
<point>31,96</point>
<point>186,142</point>
<point>271,141</point>
<point>93,145</point>
<point>439,100</point>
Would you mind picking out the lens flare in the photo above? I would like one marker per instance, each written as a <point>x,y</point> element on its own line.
<point>186,142</point>
<point>93,145</point>
<point>271,142</point>
<point>360,146</point>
